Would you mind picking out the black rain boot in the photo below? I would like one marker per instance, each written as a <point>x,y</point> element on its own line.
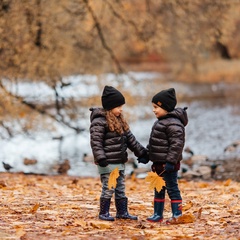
<point>104,209</point>
<point>122,209</point>
<point>176,206</point>
<point>158,210</point>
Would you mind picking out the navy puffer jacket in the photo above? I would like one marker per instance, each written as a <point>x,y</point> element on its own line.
<point>167,138</point>
<point>111,145</point>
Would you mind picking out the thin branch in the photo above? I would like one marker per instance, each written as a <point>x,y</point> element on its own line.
<point>6,128</point>
<point>124,21</point>
<point>40,110</point>
<point>102,38</point>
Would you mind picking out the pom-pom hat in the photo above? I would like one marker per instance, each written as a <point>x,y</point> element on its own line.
<point>166,99</point>
<point>112,98</point>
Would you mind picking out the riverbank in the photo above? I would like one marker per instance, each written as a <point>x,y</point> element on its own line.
<point>213,111</point>
<point>66,207</point>
<point>212,71</point>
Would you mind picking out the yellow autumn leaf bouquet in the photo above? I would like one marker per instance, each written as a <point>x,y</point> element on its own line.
<point>156,182</point>
<point>112,182</point>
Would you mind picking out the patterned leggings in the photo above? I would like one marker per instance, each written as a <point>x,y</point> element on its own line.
<point>119,190</point>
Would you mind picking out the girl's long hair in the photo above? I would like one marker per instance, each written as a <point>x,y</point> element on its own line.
<point>117,124</point>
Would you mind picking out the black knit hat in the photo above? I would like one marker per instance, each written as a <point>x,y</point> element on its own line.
<point>166,99</point>
<point>111,98</point>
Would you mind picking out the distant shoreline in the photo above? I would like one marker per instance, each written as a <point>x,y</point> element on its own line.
<point>213,71</point>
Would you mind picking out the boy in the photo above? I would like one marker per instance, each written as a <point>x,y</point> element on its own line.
<point>165,151</point>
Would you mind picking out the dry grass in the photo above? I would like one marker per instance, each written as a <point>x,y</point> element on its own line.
<point>208,72</point>
<point>220,71</point>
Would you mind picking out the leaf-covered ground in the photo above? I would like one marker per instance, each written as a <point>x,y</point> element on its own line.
<point>64,207</point>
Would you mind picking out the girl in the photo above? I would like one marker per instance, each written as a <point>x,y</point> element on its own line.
<point>110,137</point>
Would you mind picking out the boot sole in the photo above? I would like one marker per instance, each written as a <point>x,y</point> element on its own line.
<point>126,218</point>
<point>104,219</point>
<point>107,220</point>
<point>161,220</point>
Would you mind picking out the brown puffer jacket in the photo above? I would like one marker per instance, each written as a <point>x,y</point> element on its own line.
<point>167,138</point>
<point>110,145</point>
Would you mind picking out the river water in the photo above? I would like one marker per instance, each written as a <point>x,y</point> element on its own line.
<point>214,118</point>
<point>214,123</point>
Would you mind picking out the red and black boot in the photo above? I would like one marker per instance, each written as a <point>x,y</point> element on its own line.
<point>176,206</point>
<point>158,210</point>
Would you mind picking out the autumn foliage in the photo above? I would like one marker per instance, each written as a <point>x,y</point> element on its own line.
<point>45,41</point>
<point>156,182</point>
<point>112,183</point>
<point>65,207</point>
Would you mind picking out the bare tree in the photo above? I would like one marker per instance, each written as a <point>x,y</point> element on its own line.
<point>42,41</point>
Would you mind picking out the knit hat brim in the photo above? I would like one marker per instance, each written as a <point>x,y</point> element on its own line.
<point>112,98</point>
<point>166,99</point>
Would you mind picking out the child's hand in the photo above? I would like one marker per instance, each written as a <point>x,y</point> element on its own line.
<point>169,167</point>
<point>143,159</point>
<point>103,162</point>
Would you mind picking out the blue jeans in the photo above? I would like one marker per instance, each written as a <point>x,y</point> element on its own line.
<point>119,190</point>
<point>171,187</point>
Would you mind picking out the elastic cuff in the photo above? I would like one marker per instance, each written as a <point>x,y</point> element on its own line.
<point>159,200</point>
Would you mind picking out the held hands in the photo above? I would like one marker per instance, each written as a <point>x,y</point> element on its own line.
<point>103,162</point>
<point>168,167</point>
<point>143,159</point>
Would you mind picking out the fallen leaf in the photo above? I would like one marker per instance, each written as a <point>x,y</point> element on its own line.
<point>35,208</point>
<point>185,218</point>
<point>79,222</point>
<point>199,213</point>
<point>2,184</point>
<point>187,206</point>
<point>203,185</point>
<point>133,177</point>
<point>212,223</point>
<point>156,182</point>
<point>112,182</point>
<point>20,231</point>
<point>100,224</point>
<point>227,183</point>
